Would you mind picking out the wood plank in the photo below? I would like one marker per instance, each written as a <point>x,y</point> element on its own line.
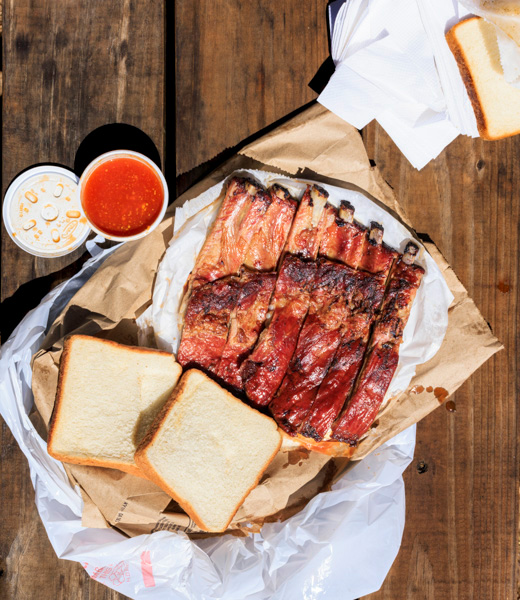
<point>241,66</point>
<point>70,67</point>
<point>461,533</point>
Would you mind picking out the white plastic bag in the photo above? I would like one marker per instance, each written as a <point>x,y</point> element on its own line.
<point>341,545</point>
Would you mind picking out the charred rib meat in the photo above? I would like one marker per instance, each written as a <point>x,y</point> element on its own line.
<point>206,323</point>
<point>247,319</point>
<point>383,354</point>
<point>264,370</point>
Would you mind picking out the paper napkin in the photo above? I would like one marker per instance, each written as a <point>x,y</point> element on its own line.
<point>393,65</point>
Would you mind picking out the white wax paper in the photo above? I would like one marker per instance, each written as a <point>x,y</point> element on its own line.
<point>428,320</point>
<point>341,545</point>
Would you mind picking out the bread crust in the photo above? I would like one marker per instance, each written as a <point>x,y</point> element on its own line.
<point>55,417</point>
<point>146,467</point>
<point>92,462</point>
<point>467,78</point>
<point>469,82</point>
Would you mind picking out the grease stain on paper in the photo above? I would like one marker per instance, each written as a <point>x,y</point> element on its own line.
<point>441,394</point>
<point>296,457</point>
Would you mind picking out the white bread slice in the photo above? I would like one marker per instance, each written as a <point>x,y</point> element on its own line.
<point>207,450</point>
<point>495,102</point>
<point>108,394</point>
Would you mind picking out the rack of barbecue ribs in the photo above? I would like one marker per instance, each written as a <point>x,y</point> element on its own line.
<point>383,355</point>
<point>331,344</point>
<point>301,309</point>
<point>261,228</point>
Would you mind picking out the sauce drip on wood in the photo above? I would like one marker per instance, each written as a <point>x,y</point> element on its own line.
<point>503,287</point>
<point>450,406</point>
<point>123,197</point>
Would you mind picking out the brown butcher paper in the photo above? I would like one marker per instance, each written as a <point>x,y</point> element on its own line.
<point>316,145</point>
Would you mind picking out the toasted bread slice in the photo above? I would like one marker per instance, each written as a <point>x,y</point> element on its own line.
<point>207,450</point>
<point>495,102</point>
<point>108,394</point>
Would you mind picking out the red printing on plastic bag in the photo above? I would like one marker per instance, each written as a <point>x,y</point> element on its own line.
<point>146,569</point>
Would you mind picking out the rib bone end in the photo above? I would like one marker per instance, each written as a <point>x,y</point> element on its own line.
<point>346,211</point>
<point>410,253</point>
<point>251,187</point>
<point>376,233</point>
<point>318,200</point>
<point>280,192</point>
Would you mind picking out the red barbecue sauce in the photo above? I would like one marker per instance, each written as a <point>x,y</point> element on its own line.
<point>122,197</point>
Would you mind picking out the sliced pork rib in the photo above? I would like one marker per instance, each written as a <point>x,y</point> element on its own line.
<point>269,238</point>
<point>206,323</point>
<point>317,344</point>
<point>377,257</point>
<point>223,251</point>
<point>383,354</point>
<point>309,224</point>
<point>247,319</point>
<point>265,368</point>
<point>343,239</point>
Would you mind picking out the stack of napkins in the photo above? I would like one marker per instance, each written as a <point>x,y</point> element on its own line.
<point>393,65</point>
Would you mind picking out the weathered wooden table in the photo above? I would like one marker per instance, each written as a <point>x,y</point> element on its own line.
<point>199,77</point>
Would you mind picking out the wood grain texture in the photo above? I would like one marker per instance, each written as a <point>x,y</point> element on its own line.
<point>240,66</point>
<point>461,533</point>
<point>72,66</point>
<point>69,66</point>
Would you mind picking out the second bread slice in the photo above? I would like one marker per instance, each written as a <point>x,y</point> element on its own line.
<point>495,102</point>
<point>108,394</point>
<point>207,450</point>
